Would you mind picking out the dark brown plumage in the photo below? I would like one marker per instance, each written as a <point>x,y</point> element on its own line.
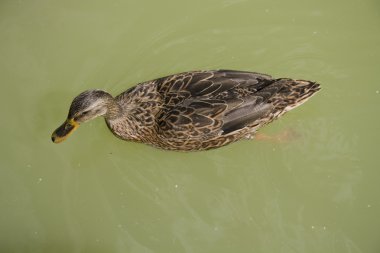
<point>196,110</point>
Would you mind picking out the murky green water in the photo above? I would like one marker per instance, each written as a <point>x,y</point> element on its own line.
<point>95,193</point>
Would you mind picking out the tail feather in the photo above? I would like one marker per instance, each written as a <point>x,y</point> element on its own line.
<point>291,94</point>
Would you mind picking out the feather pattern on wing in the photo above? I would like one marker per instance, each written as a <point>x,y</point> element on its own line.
<point>212,103</point>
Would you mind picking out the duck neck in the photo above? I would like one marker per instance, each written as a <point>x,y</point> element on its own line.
<point>114,110</point>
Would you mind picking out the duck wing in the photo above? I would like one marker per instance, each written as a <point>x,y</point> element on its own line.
<point>202,104</point>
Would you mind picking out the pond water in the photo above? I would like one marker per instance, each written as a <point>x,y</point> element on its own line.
<point>318,192</point>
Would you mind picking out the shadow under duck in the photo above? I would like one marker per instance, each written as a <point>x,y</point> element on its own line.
<point>190,111</point>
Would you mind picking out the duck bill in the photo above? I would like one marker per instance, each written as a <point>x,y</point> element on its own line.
<point>62,132</point>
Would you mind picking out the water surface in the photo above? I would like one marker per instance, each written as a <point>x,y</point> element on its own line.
<point>95,193</point>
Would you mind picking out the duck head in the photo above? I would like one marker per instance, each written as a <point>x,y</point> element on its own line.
<point>86,106</point>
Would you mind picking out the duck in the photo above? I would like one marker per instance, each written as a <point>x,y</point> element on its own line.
<point>190,111</point>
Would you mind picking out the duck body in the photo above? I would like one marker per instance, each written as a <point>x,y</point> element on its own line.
<point>199,110</point>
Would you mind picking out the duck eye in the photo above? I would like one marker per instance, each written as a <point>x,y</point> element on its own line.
<point>85,112</point>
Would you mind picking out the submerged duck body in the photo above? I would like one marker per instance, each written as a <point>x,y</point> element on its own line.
<point>191,111</point>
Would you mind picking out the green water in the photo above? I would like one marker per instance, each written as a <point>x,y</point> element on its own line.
<point>96,193</point>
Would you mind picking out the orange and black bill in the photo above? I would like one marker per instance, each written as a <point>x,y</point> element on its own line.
<point>62,132</point>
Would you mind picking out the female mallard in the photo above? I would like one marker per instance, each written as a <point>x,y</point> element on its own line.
<point>190,111</point>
